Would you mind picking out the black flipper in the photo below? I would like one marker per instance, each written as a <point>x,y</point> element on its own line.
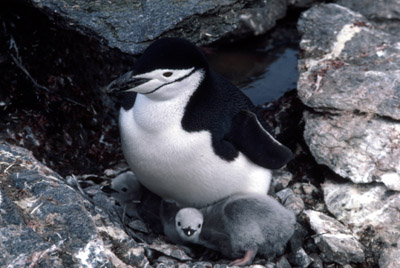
<point>249,137</point>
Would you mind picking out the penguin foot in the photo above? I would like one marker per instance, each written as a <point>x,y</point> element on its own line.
<point>246,260</point>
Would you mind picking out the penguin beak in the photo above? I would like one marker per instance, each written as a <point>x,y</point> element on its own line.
<point>188,231</point>
<point>125,82</point>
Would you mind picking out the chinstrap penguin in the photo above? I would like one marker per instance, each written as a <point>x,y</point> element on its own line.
<point>189,135</point>
<point>239,226</point>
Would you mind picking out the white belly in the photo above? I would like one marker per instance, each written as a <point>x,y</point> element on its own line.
<point>176,164</point>
<point>181,166</point>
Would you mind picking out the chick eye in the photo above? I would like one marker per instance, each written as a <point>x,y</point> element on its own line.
<point>198,226</point>
<point>167,74</point>
<point>179,223</point>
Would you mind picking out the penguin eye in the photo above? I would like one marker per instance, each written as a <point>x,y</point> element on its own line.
<point>167,74</point>
<point>199,226</point>
<point>179,223</point>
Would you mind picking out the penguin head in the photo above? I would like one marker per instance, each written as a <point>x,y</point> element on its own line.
<point>188,223</point>
<point>166,67</point>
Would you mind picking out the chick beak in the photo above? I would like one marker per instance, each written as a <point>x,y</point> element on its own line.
<point>188,231</point>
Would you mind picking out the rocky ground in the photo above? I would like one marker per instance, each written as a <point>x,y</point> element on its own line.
<point>59,149</point>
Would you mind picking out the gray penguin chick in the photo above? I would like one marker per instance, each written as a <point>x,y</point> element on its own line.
<point>239,226</point>
<point>168,211</point>
<point>128,192</point>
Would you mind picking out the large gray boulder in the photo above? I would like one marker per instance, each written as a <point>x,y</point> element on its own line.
<point>46,223</point>
<point>384,9</point>
<point>361,147</point>
<point>350,76</point>
<point>335,240</point>
<point>348,65</point>
<point>373,213</point>
<point>131,25</point>
<point>384,13</point>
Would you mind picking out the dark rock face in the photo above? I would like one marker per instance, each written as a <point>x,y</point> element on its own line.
<point>131,25</point>
<point>58,111</point>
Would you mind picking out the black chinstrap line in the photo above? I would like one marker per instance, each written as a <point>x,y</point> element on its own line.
<point>177,80</point>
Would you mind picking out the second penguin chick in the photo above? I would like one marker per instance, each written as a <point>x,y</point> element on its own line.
<point>239,226</point>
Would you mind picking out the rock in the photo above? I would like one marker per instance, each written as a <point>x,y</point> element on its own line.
<point>295,204</point>
<point>262,17</point>
<point>281,179</point>
<point>347,64</point>
<point>300,3</point>
<point>220,266</point>
<point>45,222</point>
<point>267,265</point>
<point>116,170</point>
<point>139,225</point>
<point>309,194</point>
<point>335,240</point>
<point>366,207</point>
<point>310,189</point>
<point>164,265</point>
<point>20,245</point>
<point>383,13</point>
<point>297,239</point>
<point>170,251</point>
<point>316,261</point>
<point>202,264</point>
<point>291,201</point>
<point>391,181</point>
<point>358,147</point>
<point>166,262</point>
<point>284,194</point>
<point>390,258</point>
<point>350,71</point>
<point>131,26</point>
<point>283,263</point>
<point>374,9</point>
<point>299,258</point>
